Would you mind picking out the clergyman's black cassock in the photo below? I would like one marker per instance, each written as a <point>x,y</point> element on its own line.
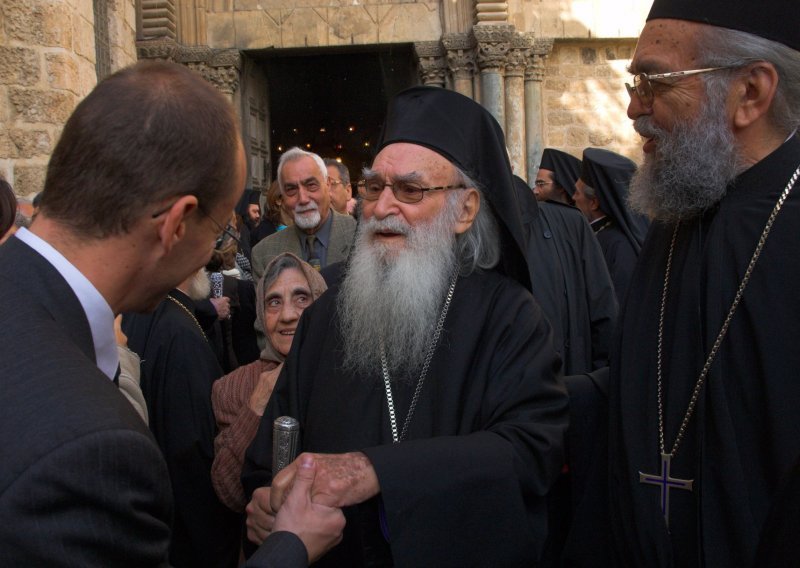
<point>745,434</point>
<point>622,232</point>
<point>467,487</point>
<point>570,281</point>
<point>178,369</point>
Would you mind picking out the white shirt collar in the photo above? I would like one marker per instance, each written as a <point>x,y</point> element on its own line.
<point>98,312</point>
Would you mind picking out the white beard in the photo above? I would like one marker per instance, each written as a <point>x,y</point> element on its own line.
<point>199,286</point>
<point>307,217</point>
<point>396,295</point>
<point>691,167</point>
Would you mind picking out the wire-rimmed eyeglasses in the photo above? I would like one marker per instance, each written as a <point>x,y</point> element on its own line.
<point>643,82</point>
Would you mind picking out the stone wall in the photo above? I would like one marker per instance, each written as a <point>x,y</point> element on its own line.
<point>259,24</point>
<point>585,100</point>
<point>47,64</point>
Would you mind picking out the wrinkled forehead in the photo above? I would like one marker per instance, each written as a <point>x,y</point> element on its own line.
<point>404,158</point>
<point>667,45</point>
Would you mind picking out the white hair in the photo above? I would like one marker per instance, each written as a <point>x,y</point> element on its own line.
<point>294,154</point>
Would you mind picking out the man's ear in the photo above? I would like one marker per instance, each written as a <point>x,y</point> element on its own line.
<point>173,222</point>
<point>753,93</point>
<point>595,203</point>
<point>470,205</point>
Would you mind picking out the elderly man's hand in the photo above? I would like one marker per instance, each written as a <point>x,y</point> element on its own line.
<point>222,306</point>
<point>260,516</point>
<point>319,527</point>
<point>340,480</point>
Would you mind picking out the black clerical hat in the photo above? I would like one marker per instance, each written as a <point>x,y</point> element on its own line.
<point>771,19</point>
<point>609,174</point>
<point>566,168</point>
<point>465,133</point>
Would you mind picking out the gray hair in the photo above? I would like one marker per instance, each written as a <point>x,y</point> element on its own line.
<point>723,47</point>
<point>275,269</point>
<point>478,246</point>
<point>294,154</point>
<point>344,173</point>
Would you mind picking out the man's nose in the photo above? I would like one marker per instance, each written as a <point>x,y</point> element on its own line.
<point>636,107</point>
<point>386,204</point>
<point>302,195</point>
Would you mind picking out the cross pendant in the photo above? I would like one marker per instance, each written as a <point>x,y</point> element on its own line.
<point>666,482</point>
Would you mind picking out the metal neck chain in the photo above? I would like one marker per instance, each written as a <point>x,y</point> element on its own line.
<point>190,314</point>
<point>431,348</point>
<point>722,332</point>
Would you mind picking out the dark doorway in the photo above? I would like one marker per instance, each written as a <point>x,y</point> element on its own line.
<point>333,103</point>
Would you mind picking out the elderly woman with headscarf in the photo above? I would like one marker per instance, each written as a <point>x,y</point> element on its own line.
<point>289,285</point>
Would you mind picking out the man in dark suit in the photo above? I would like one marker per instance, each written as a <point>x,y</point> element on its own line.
<point>320,235</point>
<point>133,193</point>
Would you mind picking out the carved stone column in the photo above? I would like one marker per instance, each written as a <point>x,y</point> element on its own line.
<point>491,12</point>
<point>516,63</point>
<point>220,67</point>
<point>494,41</point>
<point>461,61</point>
<point>432,62</point>
<point>534,125</point>
<point>156,19</point>
<point>192,22</point>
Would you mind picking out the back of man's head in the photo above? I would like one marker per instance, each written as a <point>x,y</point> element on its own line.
<point>146,133</point>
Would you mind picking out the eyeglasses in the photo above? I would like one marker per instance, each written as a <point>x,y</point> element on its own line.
<point>404,192</point>
<point>643,82</point>
<point>227,230</point>
<point>311,185</point>
<point>335,181</point>
<point>542,183</point>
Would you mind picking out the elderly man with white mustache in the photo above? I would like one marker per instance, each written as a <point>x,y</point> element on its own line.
<point>320,235</point>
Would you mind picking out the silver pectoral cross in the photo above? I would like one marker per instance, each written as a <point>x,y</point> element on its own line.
<point>666,482</point>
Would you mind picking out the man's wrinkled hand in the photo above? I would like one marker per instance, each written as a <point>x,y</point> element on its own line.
<point>222,306</point>
<point>340,480</point>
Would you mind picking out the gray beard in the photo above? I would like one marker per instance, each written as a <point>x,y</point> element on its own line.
<point>199,287</point>
<point>397,296</point>
<point>691,167</point>
<point>307,219</point>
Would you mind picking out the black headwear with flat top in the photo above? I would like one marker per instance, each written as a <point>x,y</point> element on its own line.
<point>775,20</point>
<point>461,130</point>
<point>566,168</point>
<point>609,174</point>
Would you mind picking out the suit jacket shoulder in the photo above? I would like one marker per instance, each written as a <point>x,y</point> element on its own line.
<point>68,436</point>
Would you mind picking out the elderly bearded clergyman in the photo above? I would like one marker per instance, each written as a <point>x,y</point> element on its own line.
<point>704,388</point>
<point>439,423</point>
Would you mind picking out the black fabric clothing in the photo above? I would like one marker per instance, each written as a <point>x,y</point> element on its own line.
<point>233,341</point>
<point>744,435</point>
<point>771,20</point>
<point>609,174</point>
<point>570,280</point>
<point>467,487</point>
<point>264,229</point>
<point>619,254</point>
<point>82,482</point>
<point>465,133</point>
<point>281,550</point>
<point>178,369</point>
<point>566,168</point>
